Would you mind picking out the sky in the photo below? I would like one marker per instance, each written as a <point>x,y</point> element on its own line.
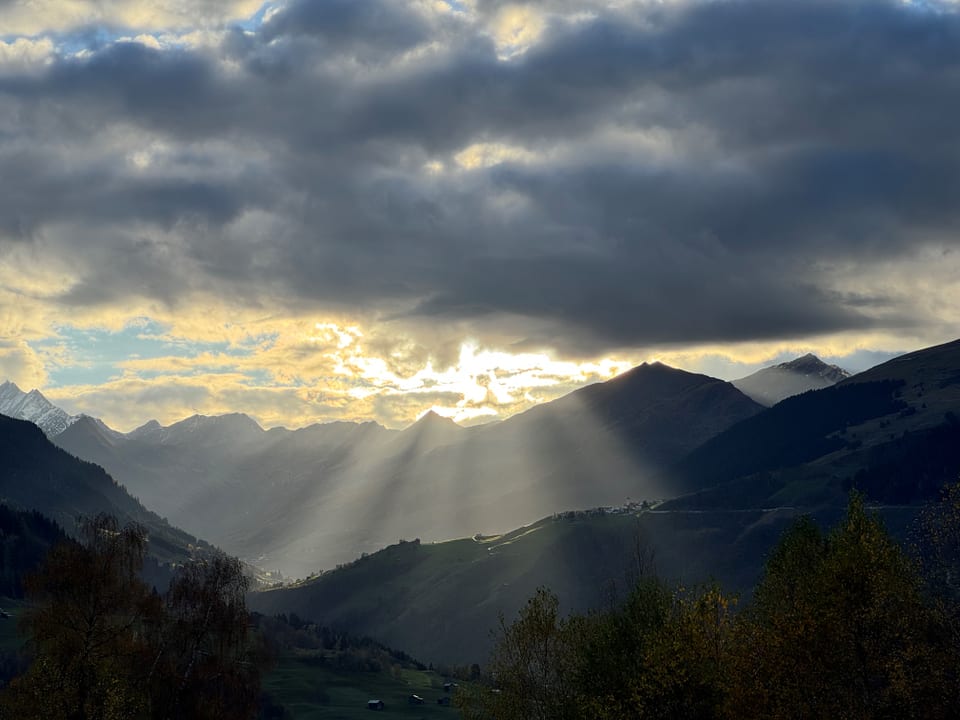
<point>321,210</point>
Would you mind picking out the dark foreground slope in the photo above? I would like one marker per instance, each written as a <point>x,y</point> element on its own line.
<point>25,539</point>
<point>37,475</point>
<point>440,601</point>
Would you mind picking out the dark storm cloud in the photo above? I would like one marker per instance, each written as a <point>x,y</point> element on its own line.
<point>44,190</point>
<point>350,25</point>
<point>784,139</point>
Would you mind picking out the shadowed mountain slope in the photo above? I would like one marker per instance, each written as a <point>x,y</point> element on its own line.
<point>657,412</point>
<point>892,432</point>
<point>37,475</point>
<point>25,539</point>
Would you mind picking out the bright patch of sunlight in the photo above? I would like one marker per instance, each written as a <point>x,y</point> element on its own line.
<point>484,155</point>
<point>515,28</point>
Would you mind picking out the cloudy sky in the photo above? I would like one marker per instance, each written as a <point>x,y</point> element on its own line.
<point>360,209</point>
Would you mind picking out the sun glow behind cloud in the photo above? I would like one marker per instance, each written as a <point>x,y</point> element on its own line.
<point>295,372</point>
<point>292,372</point>
<point>209,356</point>
<point>243,231</point>
<point>515,28</point>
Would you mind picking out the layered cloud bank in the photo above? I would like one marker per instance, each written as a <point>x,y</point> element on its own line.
<point>561,182</point>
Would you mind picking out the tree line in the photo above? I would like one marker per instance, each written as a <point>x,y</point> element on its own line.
<point>105,646</point>
<point>843,624</point>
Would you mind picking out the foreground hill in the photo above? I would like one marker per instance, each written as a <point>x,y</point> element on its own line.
<point>892,431</point>
<point>773,384</point>
<point>25,539</point>
<point>325,673</point>
<point>440,601</point>
<point>307,499</point>
<point>37,475</point>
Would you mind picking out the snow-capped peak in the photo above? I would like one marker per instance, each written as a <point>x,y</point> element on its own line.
<point>33,406</point>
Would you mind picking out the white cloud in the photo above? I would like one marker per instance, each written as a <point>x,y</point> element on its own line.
<point>25,54</point>
<point>35,17</point>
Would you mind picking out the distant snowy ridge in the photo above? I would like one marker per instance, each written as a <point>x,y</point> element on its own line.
<point>33,406</point>
<point>773,384</point>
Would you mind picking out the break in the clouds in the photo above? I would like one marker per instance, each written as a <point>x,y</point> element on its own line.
<point>579,180</point>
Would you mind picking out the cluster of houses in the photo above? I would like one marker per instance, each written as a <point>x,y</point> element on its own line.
<point>630,507</point>
<point>413,699</point>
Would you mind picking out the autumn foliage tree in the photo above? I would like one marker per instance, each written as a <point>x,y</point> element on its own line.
<point>108,647</point>
<point>532,667</point>
<point>659,655</point>
<point>841,625</point>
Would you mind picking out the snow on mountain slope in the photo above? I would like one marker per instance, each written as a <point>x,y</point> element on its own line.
<point>33,406</point>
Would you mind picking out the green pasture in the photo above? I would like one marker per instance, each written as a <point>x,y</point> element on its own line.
<point>309,689</point>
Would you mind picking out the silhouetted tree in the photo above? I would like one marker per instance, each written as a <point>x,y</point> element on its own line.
<point>86,628</point>
<point>840,628</point>
<point>107,647</point>
<point>532,668</point>
<point>207,662</point>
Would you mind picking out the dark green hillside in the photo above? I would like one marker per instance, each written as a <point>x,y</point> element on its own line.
<point>440,601</point>
<point>891,432</point>
<point>25,538</point>
<point>794,431</point>
<point>842,624</point>
<point>37,475</point>
<point>322,673</point>
<point>913,466</point>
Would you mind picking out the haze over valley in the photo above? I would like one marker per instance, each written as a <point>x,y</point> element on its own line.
<point>304,500</point>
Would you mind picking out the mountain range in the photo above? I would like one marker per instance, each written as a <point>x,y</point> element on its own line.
<point>688,466</point>
<point>892,432</point>
<point>301,500</point>
<point>298,501</point>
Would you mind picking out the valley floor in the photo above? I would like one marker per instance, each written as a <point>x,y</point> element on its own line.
<point>310,691</point>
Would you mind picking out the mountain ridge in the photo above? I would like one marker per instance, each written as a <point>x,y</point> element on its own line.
<point>863,433</point>
<point>37,475</point>
<point>300,500</point>
<point>770,385</point>
<point>34,407</point>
